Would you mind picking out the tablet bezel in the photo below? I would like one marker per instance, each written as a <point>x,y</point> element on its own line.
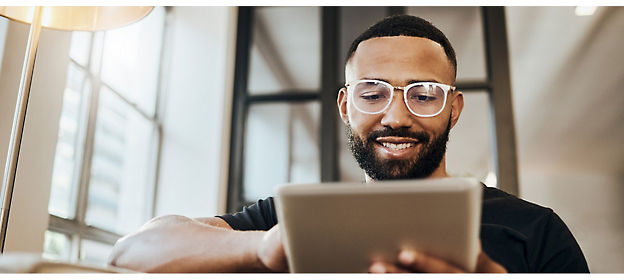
<point>319,238</point>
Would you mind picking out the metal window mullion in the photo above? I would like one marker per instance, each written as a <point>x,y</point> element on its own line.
<point>329,84</point>
<point>83,68</point>
<point>100,235</point>
<point>74,254</point>
<point>497,61</point>
<point>160,91</point>
<point>83,190</point>
<point>73,227</point>
<point>79,138</point>
<point>239,108</point>
<point>290,136</point>
<point>294,97</point>
<point>473,86</point>
<point>131,104</point>
<point>65,226</point>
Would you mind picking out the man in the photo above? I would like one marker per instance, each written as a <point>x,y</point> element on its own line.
<point>399,104</point>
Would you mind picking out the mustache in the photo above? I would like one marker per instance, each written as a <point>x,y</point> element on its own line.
<point>421,136</point>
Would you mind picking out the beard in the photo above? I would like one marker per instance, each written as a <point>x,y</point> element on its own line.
<point>423,165</point>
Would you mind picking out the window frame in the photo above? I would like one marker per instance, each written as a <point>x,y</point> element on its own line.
<point>243,100</point>
<point>76,228</point>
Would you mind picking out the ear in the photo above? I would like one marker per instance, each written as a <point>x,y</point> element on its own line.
<point>457,106</point>
<point>342,104</point>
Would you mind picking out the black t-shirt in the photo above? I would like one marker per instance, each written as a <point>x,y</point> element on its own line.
<point>519,235</point>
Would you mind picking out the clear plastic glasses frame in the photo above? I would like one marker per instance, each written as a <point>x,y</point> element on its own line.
<point>446,88</point>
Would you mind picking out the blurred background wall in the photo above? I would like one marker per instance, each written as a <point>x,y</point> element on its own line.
<point>567,79</point>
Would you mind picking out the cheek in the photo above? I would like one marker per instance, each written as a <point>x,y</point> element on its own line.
<point>362,123</point>
<point>437,125</point>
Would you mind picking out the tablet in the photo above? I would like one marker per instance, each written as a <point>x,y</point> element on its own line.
<point>343,227</point>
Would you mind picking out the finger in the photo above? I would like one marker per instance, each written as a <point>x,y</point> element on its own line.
<point>424,263</point>
<point>383,267</point>
<point>485,264</point>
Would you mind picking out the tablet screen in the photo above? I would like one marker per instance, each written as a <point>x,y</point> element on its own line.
<point>343,227</point>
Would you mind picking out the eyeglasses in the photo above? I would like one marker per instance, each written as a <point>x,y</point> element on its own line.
<point>424,99</point>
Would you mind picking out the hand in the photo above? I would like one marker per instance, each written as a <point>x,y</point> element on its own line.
<point>271,251</point>
<point>412,261</point>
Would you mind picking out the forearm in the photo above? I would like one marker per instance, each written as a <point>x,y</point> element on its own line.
<point>180,244</point>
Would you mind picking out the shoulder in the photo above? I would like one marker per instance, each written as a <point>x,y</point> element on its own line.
<point>507,214</point>
<point>506,209</point>
<point>513,228</point>
<point>258,216</point>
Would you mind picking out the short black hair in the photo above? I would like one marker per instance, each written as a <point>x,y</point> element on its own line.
<point>406,25</point>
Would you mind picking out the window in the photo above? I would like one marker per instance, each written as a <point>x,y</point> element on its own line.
<point>104,168</point>
<point>284,95</point>
<point>286,82</point>
<point>280,67</point>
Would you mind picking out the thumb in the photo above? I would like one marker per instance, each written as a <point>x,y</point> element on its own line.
<point>272,252</point>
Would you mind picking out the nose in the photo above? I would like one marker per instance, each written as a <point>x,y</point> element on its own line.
<point>397,115</point>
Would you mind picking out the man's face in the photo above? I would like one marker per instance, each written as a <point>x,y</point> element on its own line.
<point>395,144</point>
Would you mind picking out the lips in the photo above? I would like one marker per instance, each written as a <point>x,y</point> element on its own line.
<point>393,147</point>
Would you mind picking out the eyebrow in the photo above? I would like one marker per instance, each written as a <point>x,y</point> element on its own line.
<point>408,82</point>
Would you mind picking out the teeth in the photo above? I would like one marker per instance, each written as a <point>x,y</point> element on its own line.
<point>397,147</point>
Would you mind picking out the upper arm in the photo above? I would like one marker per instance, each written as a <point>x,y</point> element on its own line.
<point>214,221</point>
<point>560,250</point>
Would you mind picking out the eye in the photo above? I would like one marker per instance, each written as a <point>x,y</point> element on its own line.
<point>371,95</point>
<point>424,98</point>
<point>424,94</point>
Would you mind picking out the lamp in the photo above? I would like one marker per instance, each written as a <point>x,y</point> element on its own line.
<point>60,18</point>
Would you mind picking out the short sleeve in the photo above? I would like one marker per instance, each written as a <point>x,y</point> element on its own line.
<point>258,216</point>
<point>559,250</point>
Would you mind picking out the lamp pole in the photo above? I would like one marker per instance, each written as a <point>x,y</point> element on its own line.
<point>10,170</point>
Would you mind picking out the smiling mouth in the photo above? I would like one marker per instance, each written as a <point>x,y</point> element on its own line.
<point>396,147</point>
<point>394,143</point>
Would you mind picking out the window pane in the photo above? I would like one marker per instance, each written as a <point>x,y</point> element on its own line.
<point>80,47</point>
<point>131,59</point>
<point>469,150</point>
<point>285,53</point>
<point>94,252</point>
<point>463,26</point>
<point>281,146</point>
<point>354,21</point>
<point>70,144</point>
<point>56,246</point>
<point>119,187</point>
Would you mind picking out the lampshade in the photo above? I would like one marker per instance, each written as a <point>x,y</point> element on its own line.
<point>81,18</point>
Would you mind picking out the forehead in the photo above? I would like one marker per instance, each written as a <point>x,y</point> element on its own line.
<point>400,59</point>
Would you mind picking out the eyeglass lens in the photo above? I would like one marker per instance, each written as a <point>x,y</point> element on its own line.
<point>422,99</point>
